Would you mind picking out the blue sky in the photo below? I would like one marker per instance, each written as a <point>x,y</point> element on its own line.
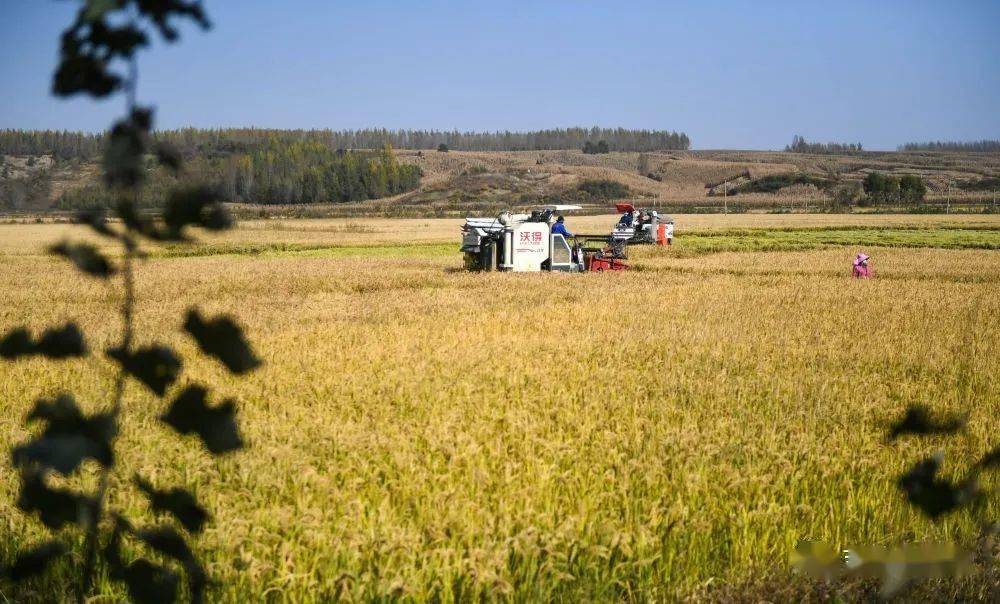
<point>730,74</point>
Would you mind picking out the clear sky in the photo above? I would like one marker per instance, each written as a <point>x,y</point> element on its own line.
<point>731,74</point>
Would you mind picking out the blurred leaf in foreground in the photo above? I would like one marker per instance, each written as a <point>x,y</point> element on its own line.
<point>35,560</point>
<point>96,219</point>
<point>918,421</point>
<point>123,158</point>
<point>216,426</point>
<point>991,459</point>
<point>169,542</point>
<point>69,437</point>
<point>178,502</point>
<point>193,206</point>
<point>55,507</point>
<point>85,257</point>
<point>934,496</point>
<point>155,366</point>
<point>55,343</point>
<point>222,338</point>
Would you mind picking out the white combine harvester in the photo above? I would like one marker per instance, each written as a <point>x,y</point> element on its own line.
<point>637,225</point>
<point>526,243</point>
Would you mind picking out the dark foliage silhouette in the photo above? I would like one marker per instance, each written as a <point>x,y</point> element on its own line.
<point>97,58</point>
<point>932,495</point>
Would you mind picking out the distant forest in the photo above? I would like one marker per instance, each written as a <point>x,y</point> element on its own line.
<point>214,142</point>
<point>983,145</point>
<point>278,172</point>
<point>799,145</point>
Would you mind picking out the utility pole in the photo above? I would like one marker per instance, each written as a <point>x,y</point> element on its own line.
<point>947,209</point>
<point>725,197</point>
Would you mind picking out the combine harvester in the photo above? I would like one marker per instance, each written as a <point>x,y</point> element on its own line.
<point>526,243</point>
<point>639,225</point>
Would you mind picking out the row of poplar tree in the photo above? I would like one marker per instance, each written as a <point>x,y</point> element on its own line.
<point>983,146</point>
<point>195,141</point>
<point>799,145</point>
<point>279,172</point>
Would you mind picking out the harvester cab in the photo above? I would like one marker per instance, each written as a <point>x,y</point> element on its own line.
<point>526,243</point>
<point>637,225</point>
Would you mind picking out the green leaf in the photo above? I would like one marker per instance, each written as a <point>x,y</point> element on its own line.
<point>217,218</point>
<point>120,41</point>
<point>126,210</point>
<point>149,583</point>
<point>88,74</point>
<point>61,452</point>
<point>62,342</point>
<point>155,366</point>
<point>35,560</point>
<point>146,581</point>
<point>991,459</point>
<point>17,343</point>
<point>85,257</point>
<point>55,343</point>
<point>97,220</point>
<point>160,12</point>
<point>216,426</point>
<point>69,437</point>
<point>168,156</point>
<point>222,338</point>
<point>169,542</point>
<point>919,421</point>
<point>193,206</point>
<point>934,496</point>
<point>55,507</point>
<point>180,503</point>
<point>123,163</point>
<point>96,9</point>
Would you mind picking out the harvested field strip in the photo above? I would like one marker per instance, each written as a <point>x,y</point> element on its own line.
<point>844,227</point>
<point>768,240</point>
<point>387,250</point>
<point>779,273</point>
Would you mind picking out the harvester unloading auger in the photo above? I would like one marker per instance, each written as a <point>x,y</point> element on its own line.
<point>526,243</point>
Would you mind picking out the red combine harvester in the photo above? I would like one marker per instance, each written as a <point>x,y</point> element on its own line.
<point>526,243</point>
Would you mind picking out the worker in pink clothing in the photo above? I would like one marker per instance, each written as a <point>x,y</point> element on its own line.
<point>861,269</point>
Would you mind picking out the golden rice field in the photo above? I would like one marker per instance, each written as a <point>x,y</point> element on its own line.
<point>423,433</point>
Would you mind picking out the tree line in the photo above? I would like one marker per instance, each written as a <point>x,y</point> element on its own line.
<point>60,144</point>
<point>196,141</point>
<point>884,188</point>
<point>799,145</point>
<point>279,172</point>
<point>978,146</point>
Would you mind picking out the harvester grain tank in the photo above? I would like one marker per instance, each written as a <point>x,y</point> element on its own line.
<point>526,243</point>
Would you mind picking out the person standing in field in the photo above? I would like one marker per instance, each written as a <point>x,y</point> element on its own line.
<point>669,232</point>
<point>861,269</point>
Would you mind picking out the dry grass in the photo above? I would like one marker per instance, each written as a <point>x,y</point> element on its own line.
<point>511,176</point>
<point>421,432</point>
<point>685,173</point>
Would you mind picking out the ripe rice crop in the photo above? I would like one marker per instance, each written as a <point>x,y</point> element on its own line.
<point>419,432</point>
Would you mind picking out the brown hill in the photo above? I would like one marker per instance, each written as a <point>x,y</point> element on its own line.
<point>457,183</point>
